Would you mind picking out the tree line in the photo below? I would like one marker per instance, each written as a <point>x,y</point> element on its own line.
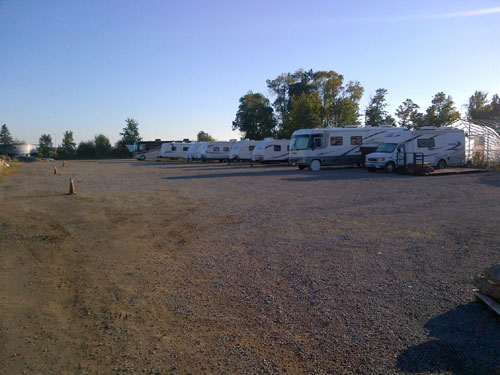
<point>309,99</point>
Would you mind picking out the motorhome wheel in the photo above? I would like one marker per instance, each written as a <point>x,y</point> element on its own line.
<point>315,165</point>
<point>441,164</point>
<point>142,157</point>
<point>390,167</point>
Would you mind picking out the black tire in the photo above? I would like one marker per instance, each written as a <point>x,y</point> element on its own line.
<point>441,164</point>
<point>390,167</point>
<point>142,157</point>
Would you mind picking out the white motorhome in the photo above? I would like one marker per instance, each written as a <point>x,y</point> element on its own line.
<point>271,150</point>
<point>314,148</point>
<point>148,149</point>
<point>441,147</point>
<point>242,150</point>
<point>216,150</point>
<point>174,150</point>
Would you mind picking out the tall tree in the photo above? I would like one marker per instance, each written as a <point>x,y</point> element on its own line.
<point>102,146</point>
<point>130,132</point>
<point>44,144</point>
<point>86,150</point>
<point>442,111</point>
<point>407,113</point>
<point>204,137</point>
<point>255,117</point>
<point>478,107</point>
<point>67,148</point>
<point>306,113</point>
<point>6,140</point>
<point>495,107</point>
<point>375,113</point>
<point>280,88</point>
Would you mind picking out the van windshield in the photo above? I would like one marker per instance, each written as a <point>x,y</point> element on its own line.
<point>386,147</point>
<point>300,142</point>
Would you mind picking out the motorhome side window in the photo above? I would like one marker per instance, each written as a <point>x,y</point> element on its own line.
<point>357,140</point>
<point>174,148</point>
<point>277,148</point>
<point>427,142</point>
<point>216,149</point>
<point>288,148</point>
<point>336,141</point>
<point>225,149</point>
<point>185,148</point>
<point>250,148</point>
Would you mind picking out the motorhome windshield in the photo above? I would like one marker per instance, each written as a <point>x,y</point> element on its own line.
<point>386,147</point>
<point>300,142</point>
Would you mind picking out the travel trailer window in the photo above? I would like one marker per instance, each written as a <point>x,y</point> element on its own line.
<point>428,142</point>
<point>336,141</point>
<point>174,148</point>
<point>277,148</point>
<point>216,149</point>
<point>357,140</point>
<point>226,149</point>
<point>288,148</point>
<point>250,148</point>
<point>300,142</point>
<point>316,140</point>
<point>185,148</point>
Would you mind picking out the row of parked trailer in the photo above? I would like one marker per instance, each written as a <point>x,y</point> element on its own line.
<point>380,147</point>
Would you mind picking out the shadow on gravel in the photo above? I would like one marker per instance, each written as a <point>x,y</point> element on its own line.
<point>465,340</point>
<point>492,179</point>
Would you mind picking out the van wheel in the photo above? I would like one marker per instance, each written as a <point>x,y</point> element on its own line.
<point>142,157</point>
<point>315,165</point>
<point>441,164</point>
<point>390,167</point>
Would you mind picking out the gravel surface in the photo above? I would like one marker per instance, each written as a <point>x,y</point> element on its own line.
<point>191,268</point>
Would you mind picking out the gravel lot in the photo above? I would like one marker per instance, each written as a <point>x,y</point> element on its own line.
<point>190,268</point>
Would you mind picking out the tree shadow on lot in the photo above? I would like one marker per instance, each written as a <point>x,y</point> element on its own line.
<point>492,179</point>
<point>465,340</point>
<point>292,174</point>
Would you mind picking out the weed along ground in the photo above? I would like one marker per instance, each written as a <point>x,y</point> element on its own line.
<point>190,268</point>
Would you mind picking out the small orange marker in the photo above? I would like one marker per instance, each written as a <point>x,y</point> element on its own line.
<point>55,170</point>
<point>64,163</point>
<point>72,189</point>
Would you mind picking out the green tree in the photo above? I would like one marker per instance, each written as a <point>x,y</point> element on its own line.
<point>102,146</point>
<point>407,113</point>
<point>44,144</point>
<point>255,117</point>
<point>305,114</point>
<point>495,107</point>
<point>478,107</point>
<point>6,140</point>
<point>280,88</point>
<point>375,113</point>
<point>442,111</point>
<point>86,150</point>
<point>204,137</point>
<point>67,148</point>
<point>130,132</point>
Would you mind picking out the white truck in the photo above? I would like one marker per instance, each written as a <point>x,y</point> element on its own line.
<point>347,145</point>
<point>441,147</point>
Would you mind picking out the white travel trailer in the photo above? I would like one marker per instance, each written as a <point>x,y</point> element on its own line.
<point>314,148</point>
<point>242,150</point>
<point>216,150</point>
<point>271,150</point>
<point>441,147</point>
<point>192,151</point>
<point>174,150</point>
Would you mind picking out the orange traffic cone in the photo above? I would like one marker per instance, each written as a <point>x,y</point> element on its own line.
<point>55,170</point>
<point>64,163</point>
<point>72,189</point>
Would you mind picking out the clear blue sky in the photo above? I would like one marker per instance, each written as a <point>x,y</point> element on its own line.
<point>180,66</point>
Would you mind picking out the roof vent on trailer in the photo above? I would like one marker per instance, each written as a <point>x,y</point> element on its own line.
<point>427,128</point>
<point>268,139</point>
<point>158,140</point>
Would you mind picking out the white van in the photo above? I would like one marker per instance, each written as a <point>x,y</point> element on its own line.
<point>314,148</point>
<point>271,150</point>
<point>441,147</point>
<point>242,150</point>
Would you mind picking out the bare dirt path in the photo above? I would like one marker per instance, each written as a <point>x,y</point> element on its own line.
<point>169,268</point>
